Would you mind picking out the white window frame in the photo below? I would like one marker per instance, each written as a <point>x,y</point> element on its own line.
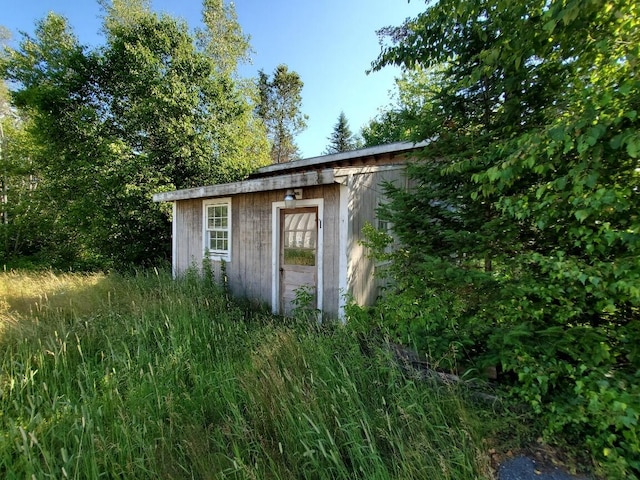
<point>216,254</point>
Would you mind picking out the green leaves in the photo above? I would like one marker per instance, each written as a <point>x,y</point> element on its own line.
<point>279,108</point>
<point>533,174</point>
<point>150,110</point>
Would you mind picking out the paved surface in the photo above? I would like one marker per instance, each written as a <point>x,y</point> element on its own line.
<point>525,468</point>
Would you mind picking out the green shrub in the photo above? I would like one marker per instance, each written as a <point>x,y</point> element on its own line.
<point>576,369</point>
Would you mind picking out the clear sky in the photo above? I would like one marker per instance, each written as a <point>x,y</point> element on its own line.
<point>329,43</point>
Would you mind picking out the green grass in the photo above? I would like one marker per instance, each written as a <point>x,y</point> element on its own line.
<point>144,377</point>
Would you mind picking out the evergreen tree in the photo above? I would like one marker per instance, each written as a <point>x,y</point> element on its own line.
<point>341,140</point>
<point>279,107</point>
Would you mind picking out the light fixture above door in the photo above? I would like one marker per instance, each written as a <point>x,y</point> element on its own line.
<point>291,196</point>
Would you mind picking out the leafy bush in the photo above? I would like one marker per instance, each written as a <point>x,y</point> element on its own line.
<point>519,243</point>
<point>577,370</point>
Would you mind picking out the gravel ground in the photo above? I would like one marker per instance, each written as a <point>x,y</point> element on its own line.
<point>525,468</point>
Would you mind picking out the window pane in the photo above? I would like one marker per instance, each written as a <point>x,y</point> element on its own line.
<point>219,240</point>
<point>217,228</point>
<point>299,256</point>
<point>300,230</point>
<point>299,237</point>
<point>217,217</point>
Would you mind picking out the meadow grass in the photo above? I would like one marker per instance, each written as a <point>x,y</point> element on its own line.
<point>141,376</point>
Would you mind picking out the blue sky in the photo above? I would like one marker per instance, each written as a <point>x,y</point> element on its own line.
<point>330,43</point>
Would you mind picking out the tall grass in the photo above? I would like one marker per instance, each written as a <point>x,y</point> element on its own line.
<point>145,377</point>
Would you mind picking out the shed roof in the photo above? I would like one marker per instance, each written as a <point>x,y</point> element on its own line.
<point>322,170</point>
<point>337,159</point>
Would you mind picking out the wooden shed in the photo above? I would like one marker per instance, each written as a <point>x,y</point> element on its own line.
<point>290,225</point>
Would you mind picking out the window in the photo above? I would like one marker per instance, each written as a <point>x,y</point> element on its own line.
<point>386,227</point>
<point>299,235</point>
<point>217,229</point>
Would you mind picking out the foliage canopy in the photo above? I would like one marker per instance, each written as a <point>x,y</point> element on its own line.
<point>280,99</point>
<point>156,108</point>
<point>520,244</point>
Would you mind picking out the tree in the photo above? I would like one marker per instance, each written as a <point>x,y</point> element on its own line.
<point>148,112</point>
<point>55,89</point>
<point>386,127</point>
<point>279,107</point>
<point>222,38</point>
<point>342,139</point>
<point>403,119</point>
<point>22,233</point>
<point>526,248</point>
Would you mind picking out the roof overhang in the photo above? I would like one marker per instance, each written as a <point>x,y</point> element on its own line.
<point>309,172</point>
<point>292,180</point>
<point>342,158</point>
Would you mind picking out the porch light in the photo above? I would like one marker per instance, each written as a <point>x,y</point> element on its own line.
<point>291,196</point>
<point>290,199</point>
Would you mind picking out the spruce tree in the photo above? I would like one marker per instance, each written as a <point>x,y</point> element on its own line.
<point>342,139</point>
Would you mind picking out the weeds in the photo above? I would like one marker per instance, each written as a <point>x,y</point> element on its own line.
<point>145,377</point>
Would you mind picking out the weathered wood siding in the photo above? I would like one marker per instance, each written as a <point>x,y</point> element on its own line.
<point>330,260</point>
<point>249,272</point>
<point>188,229</point>
<point>365,194</point>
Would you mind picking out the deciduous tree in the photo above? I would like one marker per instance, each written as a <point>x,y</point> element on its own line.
<point>404,118</point>
<point>149,111</point>
<point>24,229</point>
<point>533,166</point>
<point>280,99</point>
<point>222,37</point>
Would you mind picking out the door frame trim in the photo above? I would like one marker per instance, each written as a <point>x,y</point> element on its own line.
<point>275,250</point>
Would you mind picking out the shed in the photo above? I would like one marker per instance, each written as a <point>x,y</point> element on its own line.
<point>290,226</point>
